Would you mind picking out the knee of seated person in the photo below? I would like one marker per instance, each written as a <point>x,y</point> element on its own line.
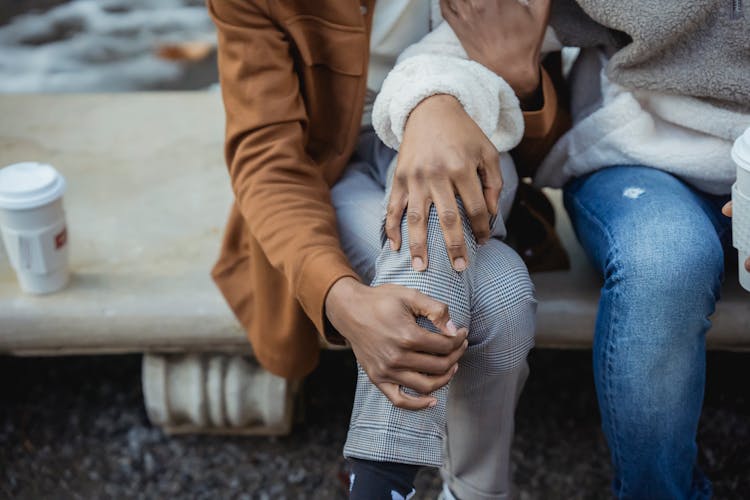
<point>436,245</point>
<point>439,281</point>
<point>669,265</point>
<point>503,314</point>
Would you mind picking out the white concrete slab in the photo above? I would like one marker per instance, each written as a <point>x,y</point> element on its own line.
<point>148,197</point>
<point>147,200</point>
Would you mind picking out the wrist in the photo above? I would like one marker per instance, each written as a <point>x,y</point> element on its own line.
<point>533,102</point>
<point>429,109</point>
<point>435,101</point>
<point>527,83</point>
<point>339,298</point>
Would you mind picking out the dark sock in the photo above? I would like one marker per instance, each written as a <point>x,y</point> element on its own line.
<point>381,480</point>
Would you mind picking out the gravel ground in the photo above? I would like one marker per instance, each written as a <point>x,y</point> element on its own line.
<point>76,428</point>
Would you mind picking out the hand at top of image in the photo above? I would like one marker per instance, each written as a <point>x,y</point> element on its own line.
<point>503,35</point>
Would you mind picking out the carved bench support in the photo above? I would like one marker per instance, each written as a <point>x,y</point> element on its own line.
<point>216,393</point>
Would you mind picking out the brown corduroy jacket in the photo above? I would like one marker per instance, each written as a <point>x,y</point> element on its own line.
<point>293,79</point>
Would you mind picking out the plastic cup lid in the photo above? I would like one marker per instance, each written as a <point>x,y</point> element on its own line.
<point>29,185</point>
<point>741,150</point>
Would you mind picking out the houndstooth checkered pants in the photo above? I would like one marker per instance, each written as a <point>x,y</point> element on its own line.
<point>469,431</point>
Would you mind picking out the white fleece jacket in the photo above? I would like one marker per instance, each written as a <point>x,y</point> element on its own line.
<point>612,125</point>
<point>438,64</point>
<point>684,136</point>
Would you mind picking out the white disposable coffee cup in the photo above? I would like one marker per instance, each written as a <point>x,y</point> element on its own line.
<point>32,222</point>
<point>741,205</point>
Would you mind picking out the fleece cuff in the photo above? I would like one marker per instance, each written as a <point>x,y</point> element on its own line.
<point>486,97</point>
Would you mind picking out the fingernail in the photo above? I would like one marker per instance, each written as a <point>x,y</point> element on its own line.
<point>392,244</point>
<point>466,343</point>
<point>483,241</point>
<point>459,264</point>
<point>417,263</point>
<point>452,330</point>
<point>455,369</point>
<point>432,404</point>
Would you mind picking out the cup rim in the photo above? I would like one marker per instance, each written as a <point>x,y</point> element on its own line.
<point>29,195</point>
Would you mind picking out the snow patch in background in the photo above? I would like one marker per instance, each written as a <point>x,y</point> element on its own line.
<point>99,45</point>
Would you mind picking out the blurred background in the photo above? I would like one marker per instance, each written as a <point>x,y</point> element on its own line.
<point>75,427</point>
<point>108,45</point>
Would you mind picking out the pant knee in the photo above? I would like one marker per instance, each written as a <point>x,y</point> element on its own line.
<point>663,294</point>
<point>439,281</point>
<point>503,312</point>
<point>503,342</point>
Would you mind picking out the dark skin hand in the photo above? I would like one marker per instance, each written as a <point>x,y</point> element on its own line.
<point>502,35</point>
<point>727,210</point>
<point>444,153</point>
<point>379,322</point>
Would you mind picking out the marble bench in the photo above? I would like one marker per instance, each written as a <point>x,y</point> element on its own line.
<point>147,199</point>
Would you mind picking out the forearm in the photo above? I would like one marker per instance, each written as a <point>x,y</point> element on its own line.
<point>286,204</point>
<point>282,194</point>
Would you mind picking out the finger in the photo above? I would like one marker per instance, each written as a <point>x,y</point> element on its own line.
<point>421,383</point>
<point>492,180</point>
<point>452,226</point>
<point>417,211</point>
<point>747,264</point>
<point>437,312</point>
<point>475,206</point>
<point>422,340</point>
<point>394,215</point>
<point>406,401</point>
<point>428,363</point>
<point>727,209</point>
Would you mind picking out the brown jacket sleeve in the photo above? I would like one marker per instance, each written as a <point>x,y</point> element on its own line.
<point>543,127</point>
<point>281,192</point>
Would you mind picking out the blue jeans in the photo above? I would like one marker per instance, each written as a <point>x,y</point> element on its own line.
<point>659,245</point>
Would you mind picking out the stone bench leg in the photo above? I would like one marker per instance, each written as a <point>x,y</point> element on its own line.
<point>216,393</point>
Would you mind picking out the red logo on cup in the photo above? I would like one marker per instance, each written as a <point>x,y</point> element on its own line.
<point>61,238</point>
